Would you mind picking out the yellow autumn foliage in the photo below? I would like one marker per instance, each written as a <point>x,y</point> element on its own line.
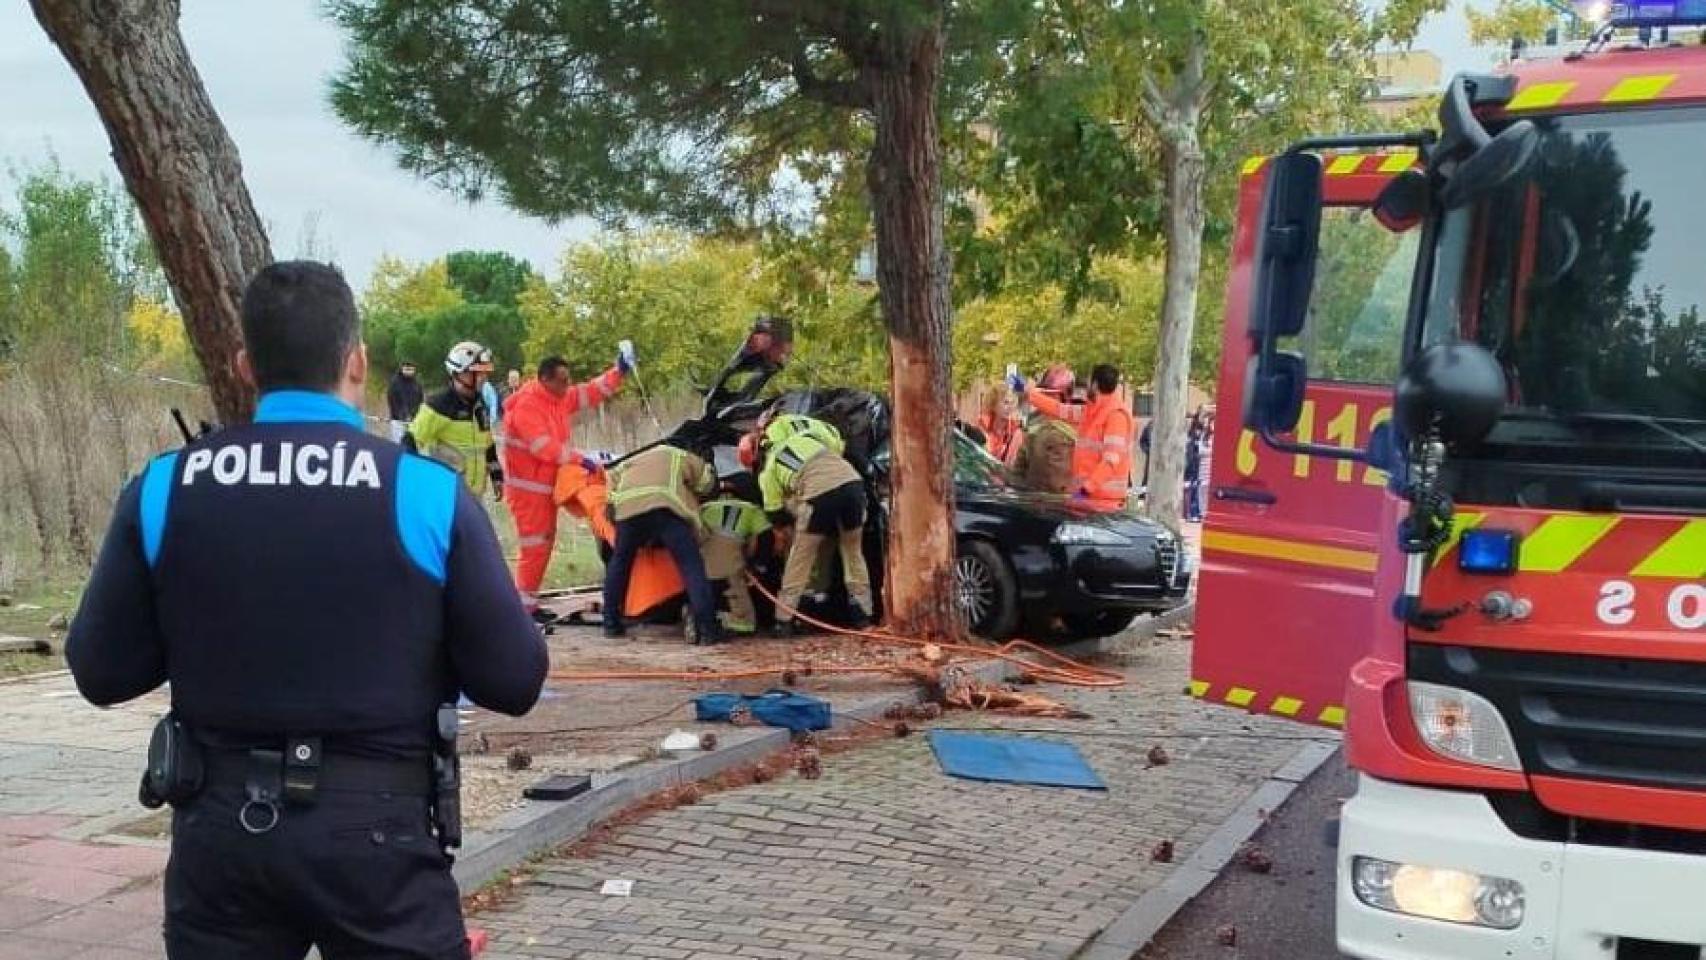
<point>157,335</point>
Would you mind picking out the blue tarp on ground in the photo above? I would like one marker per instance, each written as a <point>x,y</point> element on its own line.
<point>777,708</point>
<point>1009,759</point>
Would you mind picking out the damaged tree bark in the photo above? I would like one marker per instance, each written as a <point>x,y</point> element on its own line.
<point>905,180</point>
<point>178,163</point>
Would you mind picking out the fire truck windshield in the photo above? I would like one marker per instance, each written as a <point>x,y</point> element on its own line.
<point>1585,278</point>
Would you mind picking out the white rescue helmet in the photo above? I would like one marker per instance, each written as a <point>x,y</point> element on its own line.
<point>468,357</point>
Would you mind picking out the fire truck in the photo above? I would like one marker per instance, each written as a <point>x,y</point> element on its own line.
<point>1458,507</point>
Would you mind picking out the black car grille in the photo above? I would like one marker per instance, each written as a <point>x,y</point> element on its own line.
<point>1602,718</point>
<point>1167,558</point>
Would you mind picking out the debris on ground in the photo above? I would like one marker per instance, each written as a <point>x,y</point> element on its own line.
<point>1163,852</point>
<point>1158,757</point>
<point>25,645</point>
<point>808,763</point>
<point>955,688</point>
<point>1255,859</point>
<point>707,742</point>
<point>1227,936</point>
<point>518,759</point>
<point>558,787</point>
<point>926,710</point>
<point>617,888</point>
<point>902,730</point>
<point>680,741</point>
<point>59,622</point>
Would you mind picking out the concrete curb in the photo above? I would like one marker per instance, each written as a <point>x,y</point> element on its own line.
<point>1132,931</point>
<point>542,826</point>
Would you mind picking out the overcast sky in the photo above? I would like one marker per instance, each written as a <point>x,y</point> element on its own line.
<point>268,79</point>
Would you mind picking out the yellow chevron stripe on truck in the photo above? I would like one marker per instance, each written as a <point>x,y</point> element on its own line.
<point>1638,89</point>
<point>1540,96</point>
<point>1683,555</point>
<point>1560,541</point>
<point>1348,164</point>
<point>1330,714</point>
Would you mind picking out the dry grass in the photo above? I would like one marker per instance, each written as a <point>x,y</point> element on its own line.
<point>72,432</point>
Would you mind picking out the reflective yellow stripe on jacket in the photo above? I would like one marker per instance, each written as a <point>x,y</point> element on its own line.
<point>662,477</point>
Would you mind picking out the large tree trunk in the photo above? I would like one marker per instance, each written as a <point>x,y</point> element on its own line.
<point>913,274</point>
<point>179,164</point>
<point>1177,117</point>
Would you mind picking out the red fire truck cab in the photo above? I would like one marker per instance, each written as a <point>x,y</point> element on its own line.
<point>1462,512</point>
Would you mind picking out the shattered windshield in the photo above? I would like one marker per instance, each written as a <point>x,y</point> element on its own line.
<point>1585,279</point>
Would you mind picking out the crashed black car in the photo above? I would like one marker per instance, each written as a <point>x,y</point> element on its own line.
<point>1029,564</point>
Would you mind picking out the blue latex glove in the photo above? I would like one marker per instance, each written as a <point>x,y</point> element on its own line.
<point>1016,382</point>
<point>626,360</point>
<point>1079,496</point>
<point>590,463</point>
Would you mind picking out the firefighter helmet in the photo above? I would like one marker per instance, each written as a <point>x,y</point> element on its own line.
<point>468,357</point>
<point>1057,380</point>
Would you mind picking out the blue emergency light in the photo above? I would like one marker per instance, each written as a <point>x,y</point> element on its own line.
<point>1645,13</point>
<point>1488,551</point>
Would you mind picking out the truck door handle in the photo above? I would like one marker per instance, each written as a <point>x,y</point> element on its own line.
<point>1245,495</point>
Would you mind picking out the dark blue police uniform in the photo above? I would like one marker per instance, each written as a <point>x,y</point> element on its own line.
<point>298,578</point>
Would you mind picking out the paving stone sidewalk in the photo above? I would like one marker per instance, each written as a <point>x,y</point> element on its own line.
<point>885,857</point>
<point>79,859</point>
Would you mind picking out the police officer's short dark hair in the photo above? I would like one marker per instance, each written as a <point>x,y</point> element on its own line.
<point>549,366</point>
<point>1106,377</point>
<point>299,325</point>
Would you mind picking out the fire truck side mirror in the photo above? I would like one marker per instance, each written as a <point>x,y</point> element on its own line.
<point>1403,202</point>
<point>1273,392</point>
<point>1285,249</point>
<point>1458,389</point>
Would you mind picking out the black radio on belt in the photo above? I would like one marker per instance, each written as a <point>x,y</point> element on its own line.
<point>175,770</point>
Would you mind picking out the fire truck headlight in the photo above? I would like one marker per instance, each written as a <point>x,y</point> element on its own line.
<point>1463,726</point>
<point>1455,896</point>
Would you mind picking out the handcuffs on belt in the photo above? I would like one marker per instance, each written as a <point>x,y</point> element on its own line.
<point>291,777</point>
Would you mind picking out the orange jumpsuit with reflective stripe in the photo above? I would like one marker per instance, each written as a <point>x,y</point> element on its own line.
<point>536,441</point>
<point>1101,459</point>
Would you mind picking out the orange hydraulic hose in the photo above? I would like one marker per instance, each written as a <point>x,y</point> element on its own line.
<point>1057,668</point>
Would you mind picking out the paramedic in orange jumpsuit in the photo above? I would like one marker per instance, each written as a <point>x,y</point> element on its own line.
<point>536,442</point>
<point>1101,457</point>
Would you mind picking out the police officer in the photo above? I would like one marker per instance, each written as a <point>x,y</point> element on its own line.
<point>312,594</point>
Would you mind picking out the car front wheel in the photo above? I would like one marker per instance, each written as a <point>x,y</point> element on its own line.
<point>988,594</point>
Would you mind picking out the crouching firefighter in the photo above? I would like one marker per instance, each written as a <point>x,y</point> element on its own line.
<point>807,484</point>
<point>314,595</point>
<point>654,500</point>
<point>732,525</point>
